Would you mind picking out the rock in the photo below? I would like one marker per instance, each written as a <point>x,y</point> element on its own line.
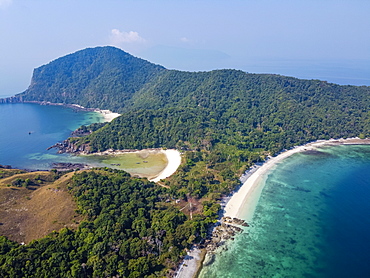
<point>67,147</point>
<point>68,166</point>
<point>209,259</point>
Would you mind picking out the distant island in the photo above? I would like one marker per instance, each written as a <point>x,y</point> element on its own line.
<point>223,121</point>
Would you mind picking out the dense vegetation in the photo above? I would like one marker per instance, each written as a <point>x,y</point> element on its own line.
<point>232,119</point>
<point>130,231</point>
<point>222,120</point>
<point>103,77</point>
<point>231,107</point>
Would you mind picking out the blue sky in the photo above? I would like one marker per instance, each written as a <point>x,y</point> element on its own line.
<point>310,39</point>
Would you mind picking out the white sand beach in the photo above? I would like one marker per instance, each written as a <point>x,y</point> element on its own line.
<point>108,115</point>
<point>246,198</point>
<point>174,161</point>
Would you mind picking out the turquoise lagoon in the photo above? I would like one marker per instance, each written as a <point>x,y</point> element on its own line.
<point>312,220</point>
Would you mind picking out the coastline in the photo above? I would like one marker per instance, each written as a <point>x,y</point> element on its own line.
<point>247,196</point>
<point>192,263</point>
<point>107,114</point>
<point>173,162</point>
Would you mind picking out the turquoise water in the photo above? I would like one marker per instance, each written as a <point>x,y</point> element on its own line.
<point>47,125</point>
<point>312,220</point>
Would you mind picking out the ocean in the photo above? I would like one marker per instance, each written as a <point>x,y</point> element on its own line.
<point>312,220</point>
<point>27,130</point>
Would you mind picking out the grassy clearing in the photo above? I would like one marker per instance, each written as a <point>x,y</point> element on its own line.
<point>146,163</point>
<point>33,211</point>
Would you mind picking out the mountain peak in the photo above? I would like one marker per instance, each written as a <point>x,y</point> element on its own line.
<point>91,77</point>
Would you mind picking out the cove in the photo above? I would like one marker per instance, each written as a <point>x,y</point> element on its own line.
<point>27,130</point>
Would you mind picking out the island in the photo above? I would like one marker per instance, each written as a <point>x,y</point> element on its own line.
<point>223,122</point>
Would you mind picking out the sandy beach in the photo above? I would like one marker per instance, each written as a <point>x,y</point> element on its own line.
<point>191,264</point>
<point>246,198</point>
<point>174,161</point>
<point>108,115</point>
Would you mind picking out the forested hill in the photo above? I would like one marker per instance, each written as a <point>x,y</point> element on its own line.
<point>109,78</point>
<point>101,77</point>
<point>249,111</point>
<point>228,119</point>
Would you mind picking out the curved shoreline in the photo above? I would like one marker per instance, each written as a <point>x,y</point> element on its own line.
<point>246,198</point>
<point>173,162</point>
<point>173,157</point>
<point>107,114</point>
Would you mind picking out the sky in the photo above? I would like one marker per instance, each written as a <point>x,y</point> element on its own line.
<point>311,39</point>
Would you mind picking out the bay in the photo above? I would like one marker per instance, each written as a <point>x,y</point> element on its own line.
<point>312,220</point>
<point>27,130</point>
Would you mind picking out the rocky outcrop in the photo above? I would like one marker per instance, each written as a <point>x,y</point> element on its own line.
<point>225,230</point>
<point>68,147</point>
<point>80,133</point>
<point>235,221</point>
<point>209,259</point>
<point>14,99</point>
<point>61,166</point>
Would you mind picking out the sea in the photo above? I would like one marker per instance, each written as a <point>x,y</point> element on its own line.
<point>27,130</point>
<point>312,220</point>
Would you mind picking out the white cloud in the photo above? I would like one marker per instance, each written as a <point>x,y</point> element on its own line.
<point>118,38</point>
<point>5,3</point>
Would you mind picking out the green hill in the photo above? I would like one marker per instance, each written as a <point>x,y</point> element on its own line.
<point>231,117</point>
<point>228,119</point>
<point>102,77</point>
